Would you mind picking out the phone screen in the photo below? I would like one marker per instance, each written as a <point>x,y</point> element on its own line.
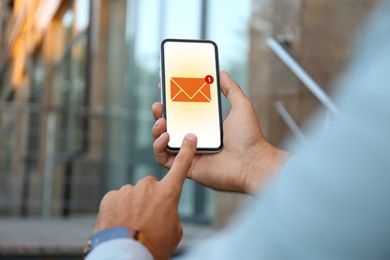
<point>191,92</point>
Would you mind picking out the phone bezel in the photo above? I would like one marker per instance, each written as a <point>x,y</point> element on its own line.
<point>163,92</point>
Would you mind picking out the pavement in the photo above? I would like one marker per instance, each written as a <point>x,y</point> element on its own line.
<point>62,238</point>
<point>44,237</point>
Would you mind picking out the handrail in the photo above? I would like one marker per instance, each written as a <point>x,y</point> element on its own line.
<point>301,74</point>
<point>290,122</point>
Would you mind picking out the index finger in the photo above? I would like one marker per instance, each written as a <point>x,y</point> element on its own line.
<point>183,161</point>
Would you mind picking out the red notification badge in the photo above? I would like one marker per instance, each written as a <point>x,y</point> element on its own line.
<point>209,79</point>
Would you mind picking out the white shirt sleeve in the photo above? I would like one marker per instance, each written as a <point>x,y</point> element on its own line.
<point>120,249</point>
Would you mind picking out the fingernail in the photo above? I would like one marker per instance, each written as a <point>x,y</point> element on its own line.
<point>191,137</point>
<point>156,124</point>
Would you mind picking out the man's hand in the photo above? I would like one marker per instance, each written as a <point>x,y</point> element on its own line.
<point>151,206</point>
<point>247,160</point>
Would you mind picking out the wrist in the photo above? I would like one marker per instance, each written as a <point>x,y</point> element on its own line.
<point>116,233</point>
<point>266,163</point>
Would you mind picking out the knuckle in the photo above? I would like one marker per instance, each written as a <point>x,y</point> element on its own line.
<point>126,187</point>
<point>109,196</point>
<point>150,179</point>
<point>147,180</point>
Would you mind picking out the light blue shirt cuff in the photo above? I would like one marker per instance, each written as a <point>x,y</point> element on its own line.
<point>121,248</point>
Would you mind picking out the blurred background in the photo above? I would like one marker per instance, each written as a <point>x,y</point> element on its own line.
<point>78,79</point>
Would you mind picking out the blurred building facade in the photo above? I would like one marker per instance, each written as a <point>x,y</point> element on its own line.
<point>78,78</point>
<point>44,105</point>
<point>320,35</point>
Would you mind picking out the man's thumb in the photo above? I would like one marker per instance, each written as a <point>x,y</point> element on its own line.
<point>231,89</point>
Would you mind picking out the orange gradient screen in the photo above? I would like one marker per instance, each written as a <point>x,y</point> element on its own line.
<point>191,90</point>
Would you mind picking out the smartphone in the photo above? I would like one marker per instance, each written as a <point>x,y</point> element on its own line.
<point>190,93</point>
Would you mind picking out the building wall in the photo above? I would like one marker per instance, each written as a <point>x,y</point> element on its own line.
<point>319,35</point>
